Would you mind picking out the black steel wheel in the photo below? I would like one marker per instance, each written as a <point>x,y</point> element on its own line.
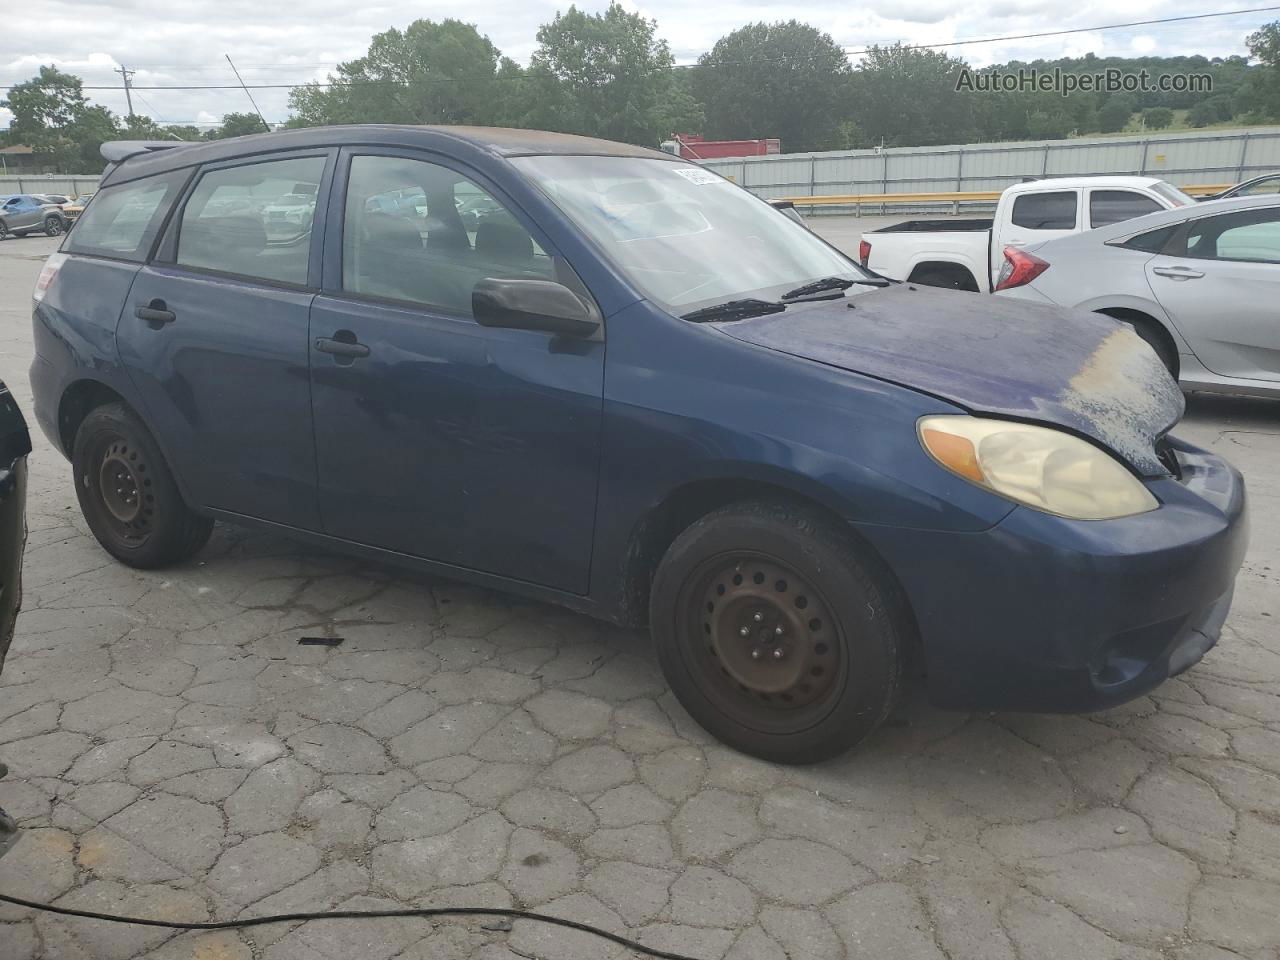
<point>777,632</point>
<point>127,494</point>
<point>770,657</point>
<point>53,227</point>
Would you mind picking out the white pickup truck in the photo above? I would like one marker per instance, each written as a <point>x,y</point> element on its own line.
<point>968,253</point>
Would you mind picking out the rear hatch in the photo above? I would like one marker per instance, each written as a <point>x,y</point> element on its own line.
<point>1081,371</point>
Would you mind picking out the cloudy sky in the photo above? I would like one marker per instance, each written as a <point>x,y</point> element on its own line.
<point>182,42</point>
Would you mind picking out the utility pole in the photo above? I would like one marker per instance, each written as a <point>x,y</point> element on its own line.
<point>265,126</point>
<point>126,73</point>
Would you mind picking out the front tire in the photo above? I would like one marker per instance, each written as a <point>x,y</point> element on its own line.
<point>777,632</point>
<point>128,495</point>
<point>53,227</point>
<point>4,231</point>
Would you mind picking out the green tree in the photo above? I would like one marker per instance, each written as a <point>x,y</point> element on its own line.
<point>182,131</point>
<point>785,80</point>
<point>1157,118</point>
<point>1202,114</point>
<point>1114,115</point>
<point>607,75</point>
<point>445,72</point>
<point>236,125</point>
<point>1264,46</point>
<point>909,97</point>
<point>51,115</point>
<point>138,127</point>
<point>1049,124</point>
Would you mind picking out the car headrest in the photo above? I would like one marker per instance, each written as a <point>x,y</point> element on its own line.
<point>390,233</point>
<point>245,235</point>
<point>506,240</point>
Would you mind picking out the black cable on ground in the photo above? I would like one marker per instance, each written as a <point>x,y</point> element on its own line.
<point>352,915</point>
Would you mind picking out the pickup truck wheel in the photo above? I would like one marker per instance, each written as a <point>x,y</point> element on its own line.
<point>777,633</point>
<point>956,278</point>
<point>128,495</point>
<point>53,226</point>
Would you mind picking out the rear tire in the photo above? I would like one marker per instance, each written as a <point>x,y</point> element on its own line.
<point>1159,341</point>
<point>128,495</point>
<point>954,279</point>
<point>53,227</point>
<point>755,578</point>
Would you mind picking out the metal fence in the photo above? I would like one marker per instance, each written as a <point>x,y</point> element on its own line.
<point>1220,156</point>
<point>45,183</point>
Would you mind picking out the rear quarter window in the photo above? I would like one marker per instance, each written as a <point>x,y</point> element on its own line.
<point>1046,211</point>
<point>122,222</point>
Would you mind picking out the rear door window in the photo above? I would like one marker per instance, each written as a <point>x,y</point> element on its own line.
<point>1112,206</point>
<point>123,221</point>
<point>252,220</point>
<point>1046,211</point>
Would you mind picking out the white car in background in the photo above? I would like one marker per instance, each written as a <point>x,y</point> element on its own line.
<point>1201,284</point>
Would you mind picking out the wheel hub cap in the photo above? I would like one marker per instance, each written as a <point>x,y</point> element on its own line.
<point>120,488</point>
<point>768,634</point>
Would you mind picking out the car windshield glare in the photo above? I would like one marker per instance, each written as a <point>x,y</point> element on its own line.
<point>685,236</point>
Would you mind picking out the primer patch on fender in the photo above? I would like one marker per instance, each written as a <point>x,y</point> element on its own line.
<point>1121,384</point>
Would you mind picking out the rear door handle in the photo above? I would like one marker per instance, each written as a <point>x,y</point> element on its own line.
<point>156,313</point>
<point>1177,273</point>
<point>344,349</point>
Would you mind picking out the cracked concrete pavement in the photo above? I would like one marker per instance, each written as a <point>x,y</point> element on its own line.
<point>176,753</point>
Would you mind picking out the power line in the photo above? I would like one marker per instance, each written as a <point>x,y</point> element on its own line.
<point>1061,33</point>
<point>527,76</point>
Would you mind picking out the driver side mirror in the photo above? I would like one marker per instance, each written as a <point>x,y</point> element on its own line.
<point>533,305</point>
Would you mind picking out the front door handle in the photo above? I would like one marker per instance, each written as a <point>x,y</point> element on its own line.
<point>156,313</point>
<point>343,346</point>
<point>1177,273</point>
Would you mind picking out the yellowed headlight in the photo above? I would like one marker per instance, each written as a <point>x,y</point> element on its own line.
<point>1042,468</point>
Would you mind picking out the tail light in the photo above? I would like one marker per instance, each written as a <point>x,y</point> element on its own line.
<point>864,252</point>
<point>45,280</point>
<point>1019,268</point>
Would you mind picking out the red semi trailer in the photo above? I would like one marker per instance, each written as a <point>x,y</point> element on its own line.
<point>693,147</point>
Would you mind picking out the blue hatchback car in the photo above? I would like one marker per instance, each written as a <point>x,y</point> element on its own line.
<point>635,389</point>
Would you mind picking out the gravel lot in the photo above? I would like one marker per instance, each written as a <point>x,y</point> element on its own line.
<point>176,753</point>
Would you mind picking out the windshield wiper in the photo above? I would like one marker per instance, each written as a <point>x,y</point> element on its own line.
<point>831,284</point>
<point>735,310</point>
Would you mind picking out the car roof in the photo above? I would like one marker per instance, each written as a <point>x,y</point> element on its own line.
<point>1074,183</point>
<point>144,158</point>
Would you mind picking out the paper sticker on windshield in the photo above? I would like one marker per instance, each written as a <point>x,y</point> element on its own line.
<point>698,175</point>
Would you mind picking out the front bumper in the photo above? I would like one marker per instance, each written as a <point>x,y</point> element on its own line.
<point>1044,614</point>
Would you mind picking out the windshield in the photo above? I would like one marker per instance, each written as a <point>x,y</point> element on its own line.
<point>1173,194</point>
<point>686,237</point>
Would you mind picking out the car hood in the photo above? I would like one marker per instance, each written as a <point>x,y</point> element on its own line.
<point>1083,371</point>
